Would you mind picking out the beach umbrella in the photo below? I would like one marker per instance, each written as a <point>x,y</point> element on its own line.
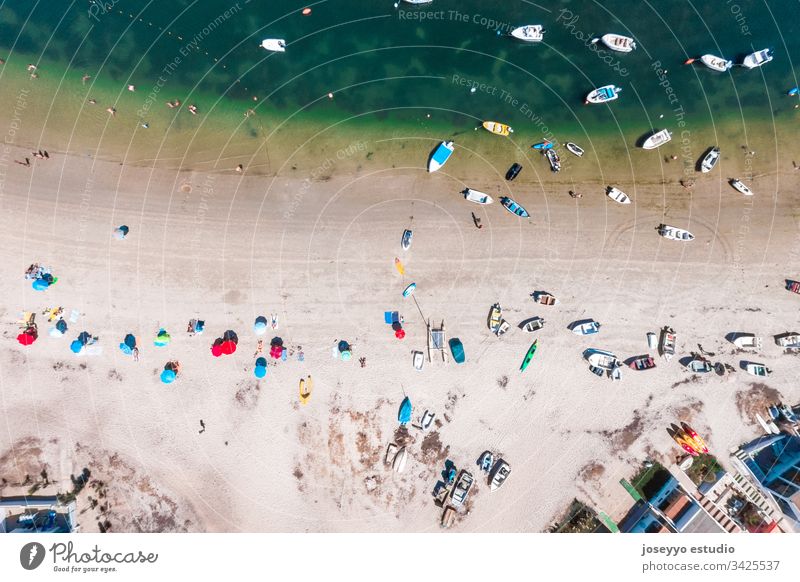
<point>400,334</point>
<point>343,346</point>
<point>168,376</point>
<point>26,338</point>
<point>276,351</point>
<point>346,355</point>
<point>61,326</point>
<point>230,336</point>
<point>126,349</point>
<point>404,414</point>
<point>40,284</point>
<point>260,371</point>
<point>227,347</point>
<point>216,349</point>
<point>260,325</point>
<point>84,337</point>
<point>76,346</point>
<point>121,232</point>
<point>262,362</point>
<point>163,338</point>
<point>130,341</point>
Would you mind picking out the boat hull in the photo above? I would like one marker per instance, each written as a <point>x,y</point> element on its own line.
<point>618,43</point>
<point>440,156</point>
<point>497,128</point>
<point>529,33</point>
<point>477,196</point>
<point>603,94</point>
<point>656,140</point>
<point>716,63</point>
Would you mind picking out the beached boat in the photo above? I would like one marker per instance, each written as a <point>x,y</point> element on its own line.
<point>739,185</point>
<point>757,369</point>
<point>391,453</point>
<point>513,171</point>
<point>529,355</point>
<point>418,359</point>
<point>457,348</point>
<point>498,475</point>
<point>513,207</point>
<point>533,324</point>
<point>405,242</point>
<point>617,42</point>
<point>675,233</point>
<point>400,460</point>
<point>440,156</point>
<point>409,290</point>
<point>789,340</point>
<point>543,145</point>
<point>427,420</point>
<point>666,347</point>
<point>597,371</point>
<point>656,140</point>
<point>476,196</point>
<point>710,160</point>
<point>461,489</point>
<point>757,59</point>
<point>602,359</point>
<point>544,298</point>
<point>555,161</point>
<point>793,286</point>
<point>497,128</point>
<point>747,341</point>
<point>642,363</point>
<point>276,45</point>
<point>699,444</point>
<point>603,94</point>
<point>448,517</point>
<point>585,327</point>
<point>617,195</point>
<point>496,323</point>
<point>486,462</point>
<point>699,366</point>
<point>574,149</point>
<point>713,62</point>
<point>528,33</point>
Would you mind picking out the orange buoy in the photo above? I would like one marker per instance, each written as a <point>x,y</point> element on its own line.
<point>306,11</point>
<point>688,61</point>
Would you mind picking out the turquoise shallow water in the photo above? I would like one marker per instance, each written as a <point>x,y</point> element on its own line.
<point>386,63</point>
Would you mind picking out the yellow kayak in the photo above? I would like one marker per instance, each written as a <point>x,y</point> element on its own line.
<point>497,128</point>
<point>305,390</point>
<point>399,266</point>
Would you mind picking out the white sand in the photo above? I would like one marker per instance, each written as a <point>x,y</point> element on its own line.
<point>322,257</point>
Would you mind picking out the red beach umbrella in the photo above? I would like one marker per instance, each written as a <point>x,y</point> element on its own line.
<point>228,347</point>
<point>216,350</point>
<point>275,352</point>
<point>400,334</point>
<point>26,339</point>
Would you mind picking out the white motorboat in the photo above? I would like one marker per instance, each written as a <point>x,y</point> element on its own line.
<point>400,460</point>
<point>574,148</point>
<point>658,139</point>
<point>476,196</point>
<point>585,327</point>
<point>618,195</point>
<point>675,233</point>
<point>498,475</point>
<point>440,156</point>
<point>602,359</point>
<point>528,33</point>
<point>710,160</point>
<point>461,489</point>
<point>716,63</point>
<point>533,324</point>
<point>747,341</point>
<point>757,59</point>
<point>603,94</point>
<point>405,242</point>
<point>617,42</point>
<point>276,45</point>
<point>739,185</point>
<point>418,360</point>
<point>757,369</point>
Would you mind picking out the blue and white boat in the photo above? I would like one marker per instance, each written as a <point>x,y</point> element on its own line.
<point>585,327</point>
<point>440,156</point>
<point>603,94</point>
<point>513,207</point>
<point>757,59</point>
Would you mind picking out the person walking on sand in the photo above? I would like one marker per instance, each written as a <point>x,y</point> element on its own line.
<point>259,348</point>
<point>477,221</point>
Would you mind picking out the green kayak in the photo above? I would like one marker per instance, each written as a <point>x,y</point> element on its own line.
<point>529,356</point>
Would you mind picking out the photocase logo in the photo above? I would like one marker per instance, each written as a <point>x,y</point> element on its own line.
<point>31,555</point>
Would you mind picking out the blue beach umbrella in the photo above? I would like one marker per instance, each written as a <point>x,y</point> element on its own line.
<point>130,341</point>
<point>260,371</point>
<point>260,326</point>
<point>262,362</point>
<point>404,415</point>
<point>76,346</point>
<point>40,284</point>
<point>126,349</point>
<point>61,326</point>
<point>168,376</point>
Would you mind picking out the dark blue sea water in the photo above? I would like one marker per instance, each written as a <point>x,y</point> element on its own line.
<point>386,63</point>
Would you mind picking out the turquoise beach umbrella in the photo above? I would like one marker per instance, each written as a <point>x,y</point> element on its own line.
<point>168,376</point>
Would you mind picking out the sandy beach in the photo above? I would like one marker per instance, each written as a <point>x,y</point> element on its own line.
<point>317,245</point>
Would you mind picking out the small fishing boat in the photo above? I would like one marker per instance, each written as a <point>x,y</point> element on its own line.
<point>528,33</point>
<point>405,242</point>
<point>713,62</point>
<point>793,286</point>
<point>418,359</point>
<point>789,340</point>
<point>543,145</point>
<point>440,156</point>
<point>675,233</point>
<point>658,139</point>
<point>513,171</point>
<point>409,290</point>
<point>699,366</point>
<point>666,346</point>
<point>710,160</point>
<point>757,369</point>
<point>427,420</point>
<point>757,59</point>
<point>529,355</point>
<point>400,461</point>
<point>497,128</point>
<point>642,363</point>
<point>486,462</point>
<point>585,327</point>
<point>391,453</point>
<point>617,195</point>
<point>617,42</point>
<point>555,161</point>
<point>544,298</point>
<point>574,148</point>
<point>697,441</point>
<point>747,341</point>
<point>476,196</point>
<point>513,207</point>
<point>496,323</point>
<point>276,45</point>
<point>602,359</point>
<point>603,94</point>
<point>739,185</point>
<point>533,324</point>
<point>461,489</point>
<point>498,475</point>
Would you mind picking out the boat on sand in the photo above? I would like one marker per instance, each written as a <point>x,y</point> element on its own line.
<point>544,298</point>
<point>757,369</point>
<point>554,159</point>
<point>514,208</point>
<point>405,242</point>
<point>675,233</point>
<point>585,327</point>
<point>747,341</point>
<point>602,359</point>
<point>642,363</point>
<point>617,195</point>
<point>529,355</point>
<point>462,488</point>
<point>496,323</point>
<point>699,366</point>
<point>498,475</point>
<point>306,386</point>
<point>574,149</point>
<point>710,160</point>
<point>440,156</point>
<point>666,346</point>
<point>737,184</point>
<point>476,196</point>
<point>533,324</point>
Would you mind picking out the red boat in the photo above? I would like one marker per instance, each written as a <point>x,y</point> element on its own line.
<point>643,363</point>
<point>793,286</point>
